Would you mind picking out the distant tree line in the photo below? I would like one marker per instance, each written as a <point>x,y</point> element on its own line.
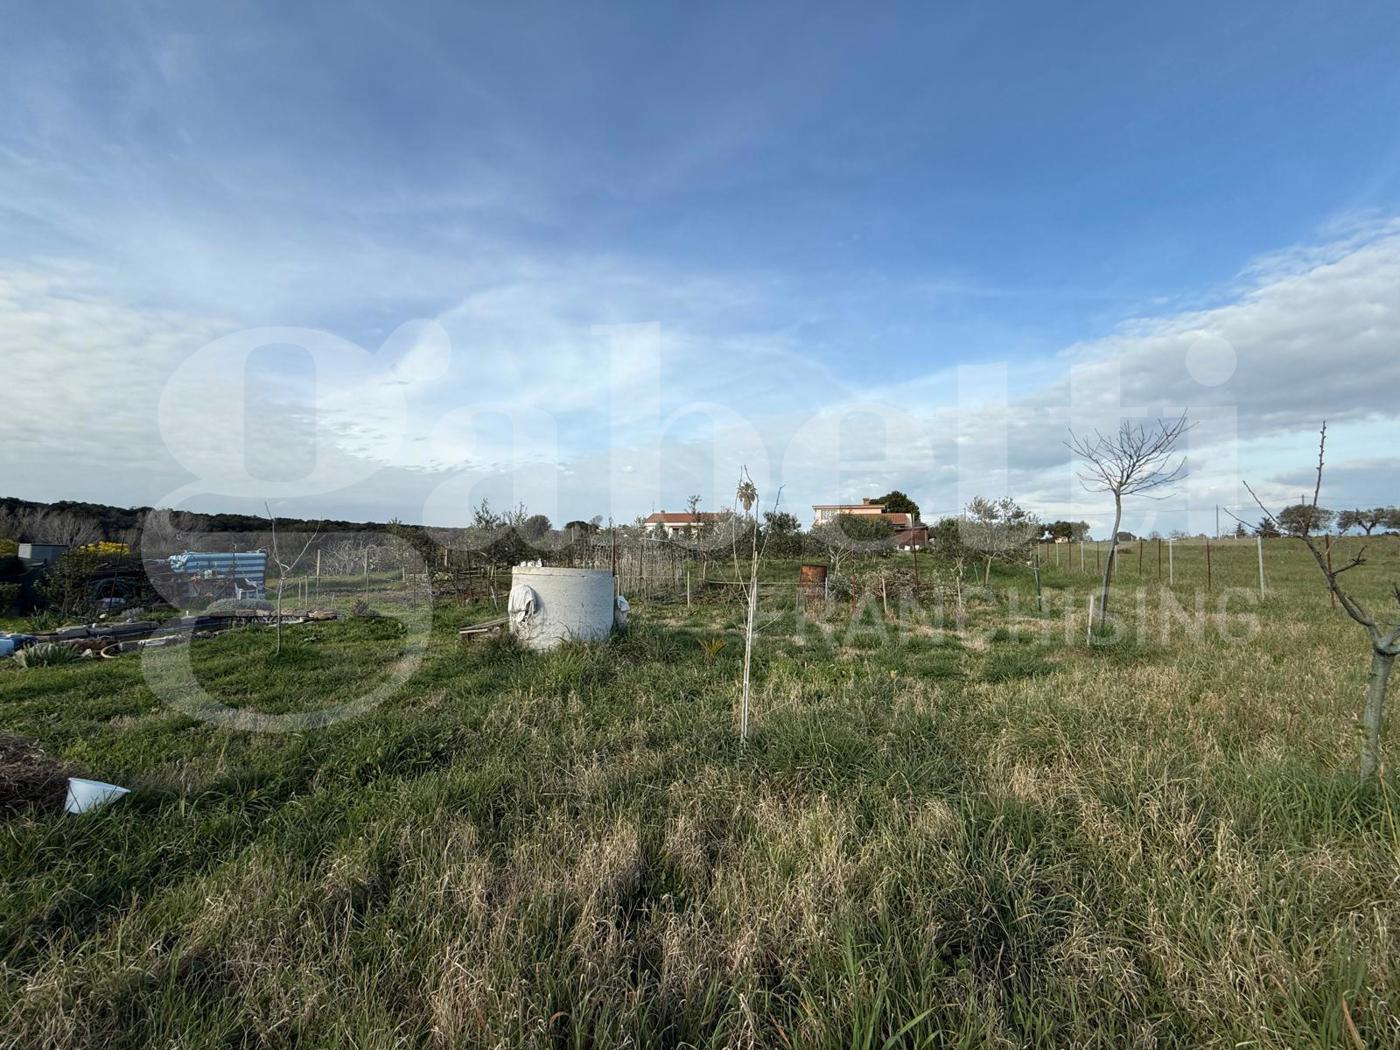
<point>1301,519</point>
<point>77,523</point>
<point>987,531</point>
<point>1065,530</point>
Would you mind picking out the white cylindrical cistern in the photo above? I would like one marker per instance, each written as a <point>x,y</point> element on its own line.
<point>549,606</point>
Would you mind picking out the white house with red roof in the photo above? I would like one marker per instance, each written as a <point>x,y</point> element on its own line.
<point>682,523</point>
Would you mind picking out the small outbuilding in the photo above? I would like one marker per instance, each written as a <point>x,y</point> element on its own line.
<point>41,553</point>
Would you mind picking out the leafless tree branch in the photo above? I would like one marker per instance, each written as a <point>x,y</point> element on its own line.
<point>283,568</point>
<point>1136,461</point>
<point>1385,639</point>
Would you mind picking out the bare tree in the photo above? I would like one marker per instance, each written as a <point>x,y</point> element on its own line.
<point>748,495</point>
<point>47,525</point>
<point>1384,637</point>
<point>283,568</point>
<point>162,534</point>
<point>71,528</point>
<point>11,526</point>
<point>1136,461</point>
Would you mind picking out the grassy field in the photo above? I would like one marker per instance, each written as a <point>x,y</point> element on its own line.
<point>971,830</point>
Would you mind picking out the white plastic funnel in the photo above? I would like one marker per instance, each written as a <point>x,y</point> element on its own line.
<point>85,795</point>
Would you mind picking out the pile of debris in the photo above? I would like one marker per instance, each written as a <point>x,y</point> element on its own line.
<point>112,639</point>
<point>29,779</point>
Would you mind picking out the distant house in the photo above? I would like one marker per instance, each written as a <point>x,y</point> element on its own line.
<point>909,534</point>
<point>681,523</point>
<point>825,512</point>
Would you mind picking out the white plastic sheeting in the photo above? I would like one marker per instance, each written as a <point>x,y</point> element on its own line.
<point>523,602</point>
<point>86,795</point>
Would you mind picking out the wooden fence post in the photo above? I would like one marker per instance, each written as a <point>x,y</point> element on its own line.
<point>1039,602</point>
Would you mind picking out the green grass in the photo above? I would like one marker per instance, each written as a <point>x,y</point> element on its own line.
<point>943,834</point>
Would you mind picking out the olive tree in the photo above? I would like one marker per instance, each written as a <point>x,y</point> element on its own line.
<point>1366,519</point>
<point>1137,460</point>
<point>999,529</point>
<point>758,543</point>
<point>1384,636</point>
<point>1299,519</point>
<point>847,535</point>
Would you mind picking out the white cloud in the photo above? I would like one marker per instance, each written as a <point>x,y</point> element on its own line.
<point>1313,334</point>
<point>84,370</point>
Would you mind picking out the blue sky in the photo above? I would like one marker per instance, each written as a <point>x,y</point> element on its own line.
<point>814,206</point>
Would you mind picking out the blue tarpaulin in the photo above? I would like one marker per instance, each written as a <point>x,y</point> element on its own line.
<point>10,643</point>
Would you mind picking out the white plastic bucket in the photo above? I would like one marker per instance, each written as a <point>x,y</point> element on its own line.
<point>86,795</point>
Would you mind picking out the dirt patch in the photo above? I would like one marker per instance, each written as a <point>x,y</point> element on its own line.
<point>29,779</point>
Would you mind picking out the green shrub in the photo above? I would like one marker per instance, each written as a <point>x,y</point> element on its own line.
<point>945,540</point>
<point>72,584</point>
<point>44,620</point>
<point>10,566</point>
<point>45,654</point>
<point>839,587</point>
<point>9,594</point>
